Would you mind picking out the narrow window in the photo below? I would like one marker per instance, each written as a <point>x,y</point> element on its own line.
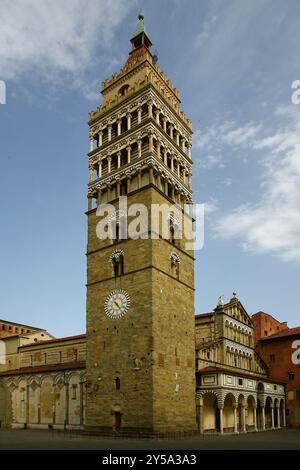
<point>74,392</point>
<point>118,383</point>
<point>117,259</point>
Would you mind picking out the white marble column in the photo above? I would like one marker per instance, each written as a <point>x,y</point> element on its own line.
<point>100,138</point>
<point>128,121</point>
<point>151,142</point>
<point>119,129</point>
<point>119,159</point>
<point>139,148</point>
<point>255,419</point>
<point>109,132</point>
<point>201,419</point>
<point>139,111</point>
<point>128,148</point>
<point>165,124</point>
<point>221,421</point>
<point>189,151</point>
<point>165,156</point>
<point>158,149</point>
<point>157,115</point>
<point>263,412</point>
<point>91,173</point>
<point>172,162</point>
<point>244,418</point>
<point>171,131</point>
<point>235,419</point>
<point>109,164</point>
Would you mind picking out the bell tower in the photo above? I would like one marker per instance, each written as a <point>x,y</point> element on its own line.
<point>140,290</point>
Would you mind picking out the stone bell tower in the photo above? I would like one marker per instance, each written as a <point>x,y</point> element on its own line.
<point>140,292</point>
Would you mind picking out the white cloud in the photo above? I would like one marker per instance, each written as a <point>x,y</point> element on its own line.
<point>214,140</point>
<point>242,135</point>
<point>206,31</point>
<point>272,225</point>
<point>210,207</point>
<point>211,161</point>
<point>54,38</point>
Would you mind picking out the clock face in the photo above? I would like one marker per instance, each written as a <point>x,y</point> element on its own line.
<point>117,304</point>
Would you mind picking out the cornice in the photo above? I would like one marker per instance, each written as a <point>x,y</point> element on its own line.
<point>136,166</point>
<point>132,102</point>
<point>147,127</point>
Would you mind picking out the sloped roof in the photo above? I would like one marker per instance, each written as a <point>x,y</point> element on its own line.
<point>55,340</point>
<point>283,334</point>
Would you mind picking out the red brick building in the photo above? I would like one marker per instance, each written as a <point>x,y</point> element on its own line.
<point>281,352</point>
<point>266,325</point>
<point>9,328</point>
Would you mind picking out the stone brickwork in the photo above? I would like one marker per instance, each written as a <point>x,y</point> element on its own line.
<point>151,348</point>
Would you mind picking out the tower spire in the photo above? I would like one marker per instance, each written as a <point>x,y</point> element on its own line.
<point>140,36</point>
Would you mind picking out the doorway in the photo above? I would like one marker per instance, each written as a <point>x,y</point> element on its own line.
<point>118,421</point>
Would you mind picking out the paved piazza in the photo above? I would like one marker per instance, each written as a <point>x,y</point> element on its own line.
<point>287,439</point>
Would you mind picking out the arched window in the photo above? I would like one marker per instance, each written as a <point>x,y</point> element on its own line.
<point>123,90</point>
<point>174,228</point>
<point>175,262</point>
<point>117,260</point>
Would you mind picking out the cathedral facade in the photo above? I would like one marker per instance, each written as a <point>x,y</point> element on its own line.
<point>147,364</point>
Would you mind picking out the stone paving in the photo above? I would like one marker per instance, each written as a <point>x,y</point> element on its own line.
<point>286,439</point>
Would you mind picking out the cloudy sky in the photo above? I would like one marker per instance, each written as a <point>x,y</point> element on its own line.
<point>234,62</point>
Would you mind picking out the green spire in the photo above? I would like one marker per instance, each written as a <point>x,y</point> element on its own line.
<point>140,28</point>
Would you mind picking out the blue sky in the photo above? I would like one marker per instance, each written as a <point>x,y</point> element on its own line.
<point>234,63</point>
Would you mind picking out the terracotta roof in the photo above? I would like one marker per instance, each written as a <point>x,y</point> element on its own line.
<point>203,315</point>
<point>25,335</point>
<point>56,340</point>
<point>45,368</point>
<point>283,334</point>
<point>15,335</point>
<point>8,322</point>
